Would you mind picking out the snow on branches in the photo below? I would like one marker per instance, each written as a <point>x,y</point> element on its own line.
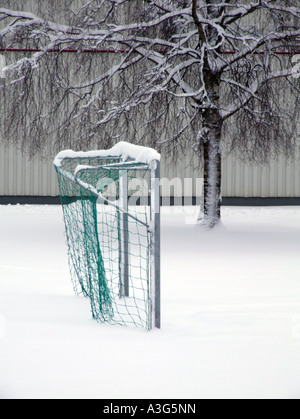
<point>205,36</point>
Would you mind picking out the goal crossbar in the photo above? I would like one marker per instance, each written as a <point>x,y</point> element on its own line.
<point>76,179</point>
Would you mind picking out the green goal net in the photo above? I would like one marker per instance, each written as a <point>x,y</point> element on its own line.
<point>111,208</point>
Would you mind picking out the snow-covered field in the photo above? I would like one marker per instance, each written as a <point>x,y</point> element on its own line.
<point>230,312</point>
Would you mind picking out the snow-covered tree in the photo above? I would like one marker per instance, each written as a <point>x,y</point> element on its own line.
<point>173,73</point>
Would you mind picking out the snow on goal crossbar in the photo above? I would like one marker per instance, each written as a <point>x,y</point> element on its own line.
<point>111,206</point>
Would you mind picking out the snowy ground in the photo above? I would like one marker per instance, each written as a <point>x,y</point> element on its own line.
<point>230,320</point>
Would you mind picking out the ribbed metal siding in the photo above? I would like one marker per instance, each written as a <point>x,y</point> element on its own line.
<point>24,177</point>
<point>281,178</point>
<point>184,179</point>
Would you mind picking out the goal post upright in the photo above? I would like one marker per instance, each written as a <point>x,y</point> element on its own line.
<point>123,234</point>
<point>155,244</point>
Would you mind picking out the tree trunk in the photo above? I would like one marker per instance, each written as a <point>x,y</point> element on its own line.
<point>212,170</point>
<point>211,141</point>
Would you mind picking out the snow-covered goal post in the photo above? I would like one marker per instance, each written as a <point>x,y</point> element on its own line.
<point>111,206</point>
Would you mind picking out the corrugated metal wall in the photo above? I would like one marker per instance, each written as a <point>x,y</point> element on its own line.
<point>24,177</point>
<point>20,176</point>
<point>279,179</point>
